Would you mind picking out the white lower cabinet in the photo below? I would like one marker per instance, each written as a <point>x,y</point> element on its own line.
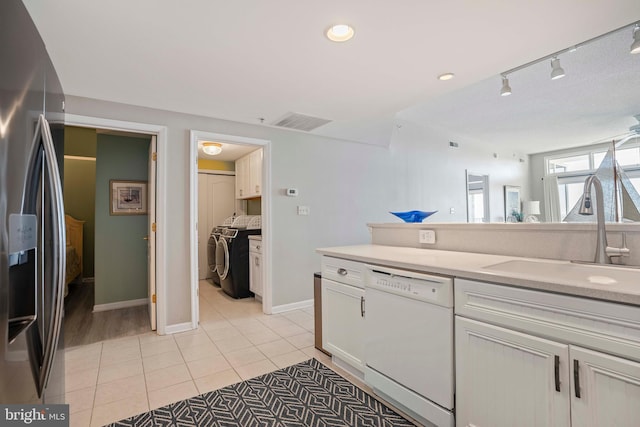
<point>255,267</point>
<point>609,390</point>
<point>542,374</point>
<point>343,322</point>
<point>506,378</point>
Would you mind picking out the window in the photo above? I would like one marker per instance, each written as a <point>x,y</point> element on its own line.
<point>572,169</point>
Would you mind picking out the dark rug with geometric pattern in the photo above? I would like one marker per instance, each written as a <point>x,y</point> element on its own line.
<point>306,394</point>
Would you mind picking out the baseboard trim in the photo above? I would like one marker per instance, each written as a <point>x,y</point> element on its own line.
<point>120,304</point>
<point>178,327</point>
<point>290,307</point>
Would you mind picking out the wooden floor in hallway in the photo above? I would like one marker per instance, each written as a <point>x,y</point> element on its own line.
<point>82,326</point>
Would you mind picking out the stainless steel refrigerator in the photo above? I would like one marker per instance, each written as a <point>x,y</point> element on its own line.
<point>32,231</point>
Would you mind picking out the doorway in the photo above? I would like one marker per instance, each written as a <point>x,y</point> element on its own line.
<point>199,229</point>
<point>153,228</point>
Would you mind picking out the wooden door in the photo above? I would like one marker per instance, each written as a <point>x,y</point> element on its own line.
<point>216,202</point>
<point>151,240</point>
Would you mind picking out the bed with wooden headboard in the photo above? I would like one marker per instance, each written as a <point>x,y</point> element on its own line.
<point>74,251</point>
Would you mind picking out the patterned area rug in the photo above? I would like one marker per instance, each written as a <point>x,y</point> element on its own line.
<point>306,394</point>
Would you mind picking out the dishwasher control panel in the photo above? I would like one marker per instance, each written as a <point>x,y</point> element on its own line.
<point>434,289</point>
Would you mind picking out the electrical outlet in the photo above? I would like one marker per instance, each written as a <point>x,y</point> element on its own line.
<point>427,236</point>
<point>304,210</point>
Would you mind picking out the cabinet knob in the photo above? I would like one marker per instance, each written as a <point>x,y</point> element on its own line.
<point>258,247</point>
<point>342,271</point>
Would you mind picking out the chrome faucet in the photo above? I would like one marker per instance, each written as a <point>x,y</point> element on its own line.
<point>603,251</point>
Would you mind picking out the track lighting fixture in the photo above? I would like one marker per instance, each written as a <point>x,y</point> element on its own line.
<point>556,70</point>
<point>506,89</point>
<point>635,46</point>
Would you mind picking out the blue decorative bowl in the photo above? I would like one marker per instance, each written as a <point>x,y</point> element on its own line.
<point>413,216</point>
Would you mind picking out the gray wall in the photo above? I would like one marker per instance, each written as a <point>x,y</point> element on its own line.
<point>80,187</point>
<point>430,175</point>
<point>345,184</point>
<point>121,252</point>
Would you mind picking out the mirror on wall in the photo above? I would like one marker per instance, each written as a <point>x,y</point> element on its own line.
<point>560,129</point>
<point>477,197</point>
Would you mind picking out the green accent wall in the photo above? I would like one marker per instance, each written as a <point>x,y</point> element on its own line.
<point>120,249</point>
<point>80,187</point>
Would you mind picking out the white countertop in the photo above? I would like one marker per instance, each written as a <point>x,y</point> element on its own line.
<point>609,283</point>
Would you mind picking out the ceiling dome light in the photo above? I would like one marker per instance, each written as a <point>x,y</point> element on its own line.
<point>556,70</point>
<point>340,33</point>
<point>635,46</point>
<point>211,148</point>
<point>446,76</point>
<point>506,89</point>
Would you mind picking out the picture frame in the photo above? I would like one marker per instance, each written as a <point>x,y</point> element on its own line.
<point>512,203</point>
<point>127,197</point>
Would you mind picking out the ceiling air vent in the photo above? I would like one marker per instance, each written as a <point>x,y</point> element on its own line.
<point>300,122</point>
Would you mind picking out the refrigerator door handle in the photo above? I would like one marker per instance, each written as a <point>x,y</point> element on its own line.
<point>59,254</point>
<point>43,353</point>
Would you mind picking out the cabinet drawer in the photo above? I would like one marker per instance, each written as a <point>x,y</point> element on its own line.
<point>610,327</point>
<point>255,246</point>
<point>343,271</point>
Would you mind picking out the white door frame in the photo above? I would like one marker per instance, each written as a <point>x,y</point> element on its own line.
<point>265,208</point>
<point>161,256</point>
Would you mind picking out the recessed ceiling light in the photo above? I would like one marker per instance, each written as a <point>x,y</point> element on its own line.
<point>211,148</point>
<point>446,76</point>
<point>340,33</point>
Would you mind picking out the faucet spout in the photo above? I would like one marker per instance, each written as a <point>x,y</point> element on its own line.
<point>586,208</point>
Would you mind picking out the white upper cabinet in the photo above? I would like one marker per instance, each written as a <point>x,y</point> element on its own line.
<point>249,175</point>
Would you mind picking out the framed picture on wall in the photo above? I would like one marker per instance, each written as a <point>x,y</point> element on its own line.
<point>128,197</point>
<point>512,212</point>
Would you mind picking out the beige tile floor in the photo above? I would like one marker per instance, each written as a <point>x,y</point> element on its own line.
<point>111,380</point>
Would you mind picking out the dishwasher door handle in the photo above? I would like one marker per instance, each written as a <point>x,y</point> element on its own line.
<point>409,274</point>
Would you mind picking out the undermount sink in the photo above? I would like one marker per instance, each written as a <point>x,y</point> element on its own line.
<point>597,274</point>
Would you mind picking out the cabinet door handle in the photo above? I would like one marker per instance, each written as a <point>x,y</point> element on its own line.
<point>576,377</point>
<point>342,271</point>
<point>557,372</point>
<point>241,191</point>
<point>362,306</point>
<point>257,188</point>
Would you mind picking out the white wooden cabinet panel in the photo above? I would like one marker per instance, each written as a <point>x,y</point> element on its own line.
<point>609,327</point>
<point>609,390</point>
<point>249,175</point>
<point>255,172</point>
<point>343,322</point>
<point>507,378</point>
<point>343,270</point>
<point>242,169</point>
<point>255,267</point>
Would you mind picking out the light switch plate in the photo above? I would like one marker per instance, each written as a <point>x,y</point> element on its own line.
<point>427,236</point>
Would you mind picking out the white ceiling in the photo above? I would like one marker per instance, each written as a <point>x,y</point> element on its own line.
<point>245,60</point>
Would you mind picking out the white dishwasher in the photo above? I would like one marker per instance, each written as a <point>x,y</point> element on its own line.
<point>409,342</point>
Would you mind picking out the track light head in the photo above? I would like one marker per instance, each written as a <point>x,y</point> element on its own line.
<point>635,46</point>
<point>506,89</point>
<point>556,70</point>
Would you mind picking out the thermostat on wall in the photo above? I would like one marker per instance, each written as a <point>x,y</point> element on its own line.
<point>292,192</point>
